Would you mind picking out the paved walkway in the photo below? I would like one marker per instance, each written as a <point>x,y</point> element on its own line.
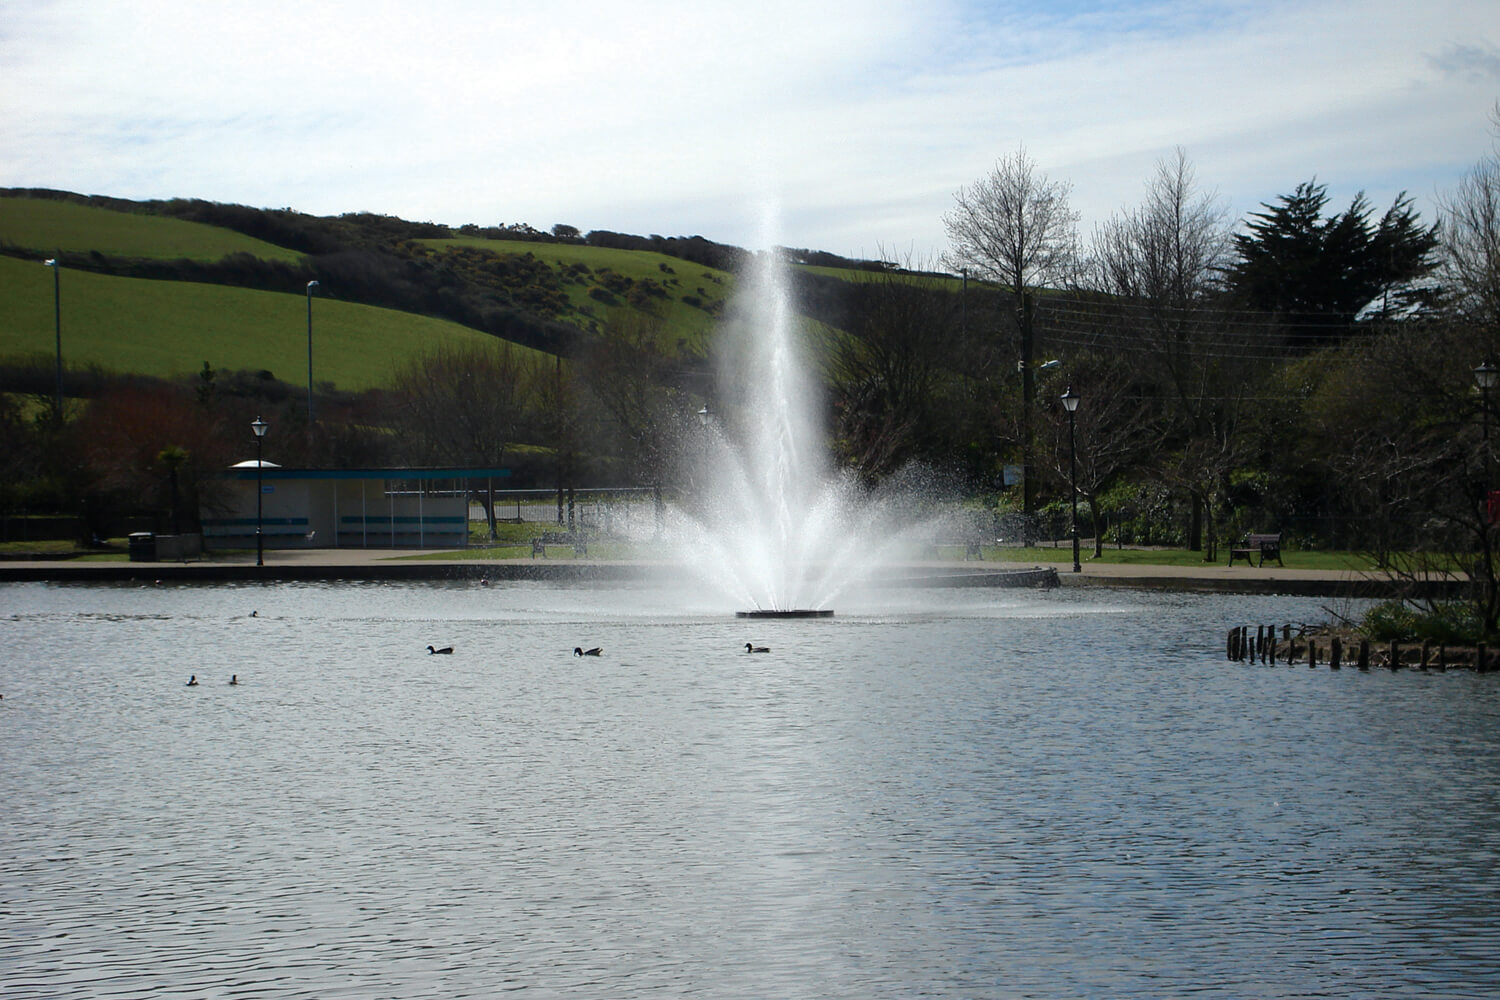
<point>355,563</point>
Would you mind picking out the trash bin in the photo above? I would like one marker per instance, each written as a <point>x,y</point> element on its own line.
<point>142,546</point>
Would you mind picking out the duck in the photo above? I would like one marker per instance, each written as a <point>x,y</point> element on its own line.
<point>580,651</point>
<point>445,649</point>
<point>234,680</point>
<point>752,648</point>
<point>193,681</point>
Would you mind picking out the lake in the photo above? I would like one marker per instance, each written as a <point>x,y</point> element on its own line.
<point>941,793</point>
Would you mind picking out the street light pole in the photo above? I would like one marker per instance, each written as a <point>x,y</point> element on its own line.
<point>310,286</point>
<point>703,418</point>
<point>1486,376</point>
<point>259,427</point>
<point>56,266</point>
<point>1070,403</point>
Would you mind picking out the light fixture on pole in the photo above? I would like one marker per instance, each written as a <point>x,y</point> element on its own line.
<point>259,427</point>
<point>1070,403</point>
<point>1486,376</point>
<point>310,286</point>
<point>56,266</point>
<point>703,418</point>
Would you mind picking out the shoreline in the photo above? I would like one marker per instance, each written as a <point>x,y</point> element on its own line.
<point>373,565</point>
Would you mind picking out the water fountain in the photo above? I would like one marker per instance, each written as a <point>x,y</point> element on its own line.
<point>771,524</point>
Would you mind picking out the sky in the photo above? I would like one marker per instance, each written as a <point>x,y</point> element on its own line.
<point>845,127</point>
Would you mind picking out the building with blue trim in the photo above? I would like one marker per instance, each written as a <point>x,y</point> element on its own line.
<point>339,508</point>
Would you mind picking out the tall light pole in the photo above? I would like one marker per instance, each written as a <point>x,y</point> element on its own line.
<point>1486,376</point>
<point>310,286</point>
<point>703,418</point>
<point>1070,403</point>
<point>259,427</point>
<point>56,266</point>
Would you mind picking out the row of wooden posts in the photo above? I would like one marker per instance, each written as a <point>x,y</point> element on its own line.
<point>1265,646</point>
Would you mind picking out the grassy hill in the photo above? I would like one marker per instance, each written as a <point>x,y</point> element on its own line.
<point>687,297</point>
<point>145,290</point>
<point>48,227</point>
<point>169,328</point>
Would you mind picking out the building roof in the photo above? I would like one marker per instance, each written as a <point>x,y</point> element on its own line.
<point>247,470</point>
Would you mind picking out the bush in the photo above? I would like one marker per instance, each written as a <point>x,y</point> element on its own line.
<point>1455,624</point>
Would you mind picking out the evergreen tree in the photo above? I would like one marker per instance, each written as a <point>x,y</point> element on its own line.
<point>1294,262</point>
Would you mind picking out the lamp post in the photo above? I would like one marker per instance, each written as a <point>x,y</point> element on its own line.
<point>703,417</point>
<point>1486,376</point>
<point>310,286</point>
<point>56,266</point>
<point>259,427</point>
<point>1070,403</point>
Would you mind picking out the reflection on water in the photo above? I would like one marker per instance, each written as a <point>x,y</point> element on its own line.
<point>946,793</point>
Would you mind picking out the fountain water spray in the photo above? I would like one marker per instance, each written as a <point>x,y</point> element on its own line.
<point>772,524</point>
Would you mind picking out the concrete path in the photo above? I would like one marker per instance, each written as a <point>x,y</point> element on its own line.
<point>354,563</point>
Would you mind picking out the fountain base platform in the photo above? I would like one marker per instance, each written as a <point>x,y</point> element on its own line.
<point>795,613</point>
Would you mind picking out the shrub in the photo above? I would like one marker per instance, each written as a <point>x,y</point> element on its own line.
<point>1445,623</point>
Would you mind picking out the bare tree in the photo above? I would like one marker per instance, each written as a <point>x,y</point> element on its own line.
<point>885,372</point>
<point>463,406</point>
<point>1470,239</point>
<point>1015,226</point>
<point>1398,422</point>
<point>1114,432</point>
<point>1170,251</point>
<point>1159,266</point>
<point>630,407</point>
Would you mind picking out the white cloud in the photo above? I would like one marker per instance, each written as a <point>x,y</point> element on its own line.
<point>680,117</point>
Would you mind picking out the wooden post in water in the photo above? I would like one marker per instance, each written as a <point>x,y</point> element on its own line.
<point>1312,654</point>
<point>1395,656</point>
<point>1442,657</point>
<point>1335,653</point>
<point>1364,654</point>
<point>1426,651</point>
<point>1481,658</point>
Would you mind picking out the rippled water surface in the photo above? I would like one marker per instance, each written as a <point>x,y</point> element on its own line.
<point>936,793</point>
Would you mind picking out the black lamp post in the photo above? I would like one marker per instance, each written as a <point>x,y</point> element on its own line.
<point>1486,376</point>
<point>1070,403</point>
<point>56,266</point>
<point>310,286</point>
<point>259,427</point>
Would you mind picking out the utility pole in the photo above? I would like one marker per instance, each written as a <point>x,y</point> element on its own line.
<point>1028,403</point>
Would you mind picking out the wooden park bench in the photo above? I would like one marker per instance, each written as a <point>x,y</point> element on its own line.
<point>540,542</point>
<point>1252,545</point>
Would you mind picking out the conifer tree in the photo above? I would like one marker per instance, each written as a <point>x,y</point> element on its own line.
<point>1314,270</point>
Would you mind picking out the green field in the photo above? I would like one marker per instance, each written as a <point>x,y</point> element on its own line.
<point>169,328</point>
<point>682,321</point>
<point>51,227</point>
